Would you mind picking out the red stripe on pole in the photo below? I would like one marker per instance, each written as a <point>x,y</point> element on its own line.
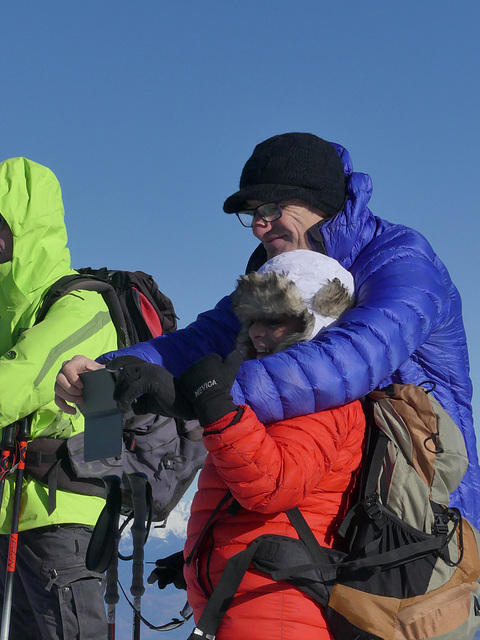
<point>12,552</point>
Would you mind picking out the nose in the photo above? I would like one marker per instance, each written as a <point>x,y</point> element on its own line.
<point>257,330</point>
<point>260,227</point>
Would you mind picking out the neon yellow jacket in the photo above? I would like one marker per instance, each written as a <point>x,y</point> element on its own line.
<point>31,203</point>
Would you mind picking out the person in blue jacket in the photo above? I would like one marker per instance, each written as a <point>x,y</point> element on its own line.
<point>298,191</point>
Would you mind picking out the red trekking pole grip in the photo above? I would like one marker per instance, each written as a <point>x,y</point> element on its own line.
<point>23,434</point>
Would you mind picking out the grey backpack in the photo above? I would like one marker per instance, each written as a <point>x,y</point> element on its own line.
<point>167,451</point>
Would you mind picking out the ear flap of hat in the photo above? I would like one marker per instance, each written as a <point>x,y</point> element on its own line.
<point>269,296</point>
<point>333,299</point>
<point>266,296</point>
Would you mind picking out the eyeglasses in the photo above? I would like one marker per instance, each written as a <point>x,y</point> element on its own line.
<point>268,212</point>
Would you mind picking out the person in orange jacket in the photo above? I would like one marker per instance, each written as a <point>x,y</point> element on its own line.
<point>308,461</point>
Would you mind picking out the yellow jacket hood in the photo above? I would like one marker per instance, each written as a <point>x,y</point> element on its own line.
<point>31,203</point>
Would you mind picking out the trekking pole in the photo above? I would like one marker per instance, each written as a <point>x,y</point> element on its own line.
<point>111,596</point>
<point>138,484</point>
<point>22,440</point>
<point>7,444</point>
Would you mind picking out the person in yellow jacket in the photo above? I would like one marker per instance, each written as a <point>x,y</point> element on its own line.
<point>54,595</point>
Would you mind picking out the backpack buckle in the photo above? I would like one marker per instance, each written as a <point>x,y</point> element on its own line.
<point>374,511</point>
<point>198,633</point>
<point>440,525</point>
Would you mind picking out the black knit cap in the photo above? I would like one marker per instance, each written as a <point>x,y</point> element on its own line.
<point>292,166</point>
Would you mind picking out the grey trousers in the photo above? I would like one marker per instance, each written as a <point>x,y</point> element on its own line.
<point>55,597</point>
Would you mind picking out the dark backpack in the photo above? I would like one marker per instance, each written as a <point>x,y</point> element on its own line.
<point>410,568</point>
<point>139,310</point>
<point>168,451</point>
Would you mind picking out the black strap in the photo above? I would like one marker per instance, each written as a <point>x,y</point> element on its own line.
<point>186,613</point>
<point>228,496</point>
<point>444,515</point>
<point>306,535</point>
<point>48,462</point>
<point>52,488</point>
<point>35,459</point>
<point>397,557</point>
<point>376,463</point>
<point>104,540</point>
<point>237,566</point>
<point>75,282</point>
<point>224,592</point>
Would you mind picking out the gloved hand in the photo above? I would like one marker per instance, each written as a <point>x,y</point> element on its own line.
<point>169,571</point>
<point>147,388</point>
<point>207,385</point>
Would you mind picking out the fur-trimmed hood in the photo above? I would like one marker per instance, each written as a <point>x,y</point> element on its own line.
<point>303,284</point>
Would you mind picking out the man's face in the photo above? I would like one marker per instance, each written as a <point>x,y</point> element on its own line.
<point>289,232</point>
<point>6,241</point>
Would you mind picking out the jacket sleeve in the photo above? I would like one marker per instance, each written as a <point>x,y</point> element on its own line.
<point>403,297</point>
<point>275,468</point>
<point>75,324</point>
<point>214,331</point>
<point>404,294</point>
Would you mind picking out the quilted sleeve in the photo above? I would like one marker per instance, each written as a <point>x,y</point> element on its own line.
<point>404,297</point>
<point>407,311</point>
<point>270,469</point>
<point>214,331</point>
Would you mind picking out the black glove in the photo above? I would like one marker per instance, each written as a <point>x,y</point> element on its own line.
<point>207,385</point>
<point>147,388</point>
<point>169,571</point>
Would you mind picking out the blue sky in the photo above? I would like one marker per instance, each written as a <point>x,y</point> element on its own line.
<point>147,111</point>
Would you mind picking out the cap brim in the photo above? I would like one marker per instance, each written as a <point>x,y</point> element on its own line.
<point>265,193</point>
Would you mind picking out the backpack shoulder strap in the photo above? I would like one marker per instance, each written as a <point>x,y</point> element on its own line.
<point>306,534</point>
<point>266,547</point>
<point>77,281</point>
<point>224,592</point>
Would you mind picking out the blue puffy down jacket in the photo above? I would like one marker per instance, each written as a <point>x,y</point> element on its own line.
<point>406,326</point>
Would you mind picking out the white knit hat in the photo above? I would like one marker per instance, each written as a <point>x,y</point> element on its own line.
<point>310,272</point>
<point>299,283</point>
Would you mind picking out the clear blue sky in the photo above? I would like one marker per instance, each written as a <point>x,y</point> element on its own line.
<point>147,112</point>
